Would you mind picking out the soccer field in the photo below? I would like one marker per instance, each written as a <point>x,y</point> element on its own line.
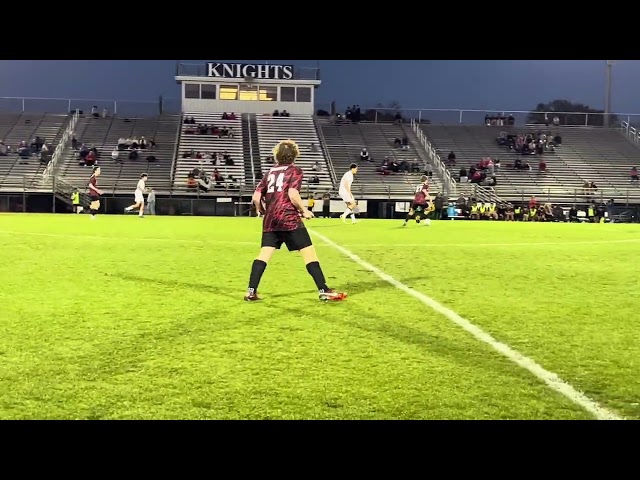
<point>122,318</point>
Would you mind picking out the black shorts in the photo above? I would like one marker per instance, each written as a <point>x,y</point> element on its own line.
<point>418,206</point>
<point>294,239</point>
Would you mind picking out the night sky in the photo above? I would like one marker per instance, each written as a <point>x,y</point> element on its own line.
<point>472,84</point>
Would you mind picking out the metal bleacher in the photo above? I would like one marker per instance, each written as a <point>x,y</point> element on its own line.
<point>344,141</point>
<point>122,176</point>
<point>301,129</point>
<point>195,143</point>
<point>17,172</point>
<point>586,154</point>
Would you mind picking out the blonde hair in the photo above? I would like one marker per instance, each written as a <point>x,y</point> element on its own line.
<point>286,152</point>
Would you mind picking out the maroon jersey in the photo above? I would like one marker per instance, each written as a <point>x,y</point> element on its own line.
<point>422,192</point>
<point>280,214</point>
<point>93,181</point>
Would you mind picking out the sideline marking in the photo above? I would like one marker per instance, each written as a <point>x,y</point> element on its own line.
<point>550,378</point>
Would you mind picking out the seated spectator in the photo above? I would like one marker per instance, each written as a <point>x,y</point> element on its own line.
<point>316,167</point>
<point>4,150</point>
<point>94,111</point>
<point>284,113</point>
<point>314,148</point>
<point>133,155</point>
<point>224,132</point>
<point>397,143</point>
<point>115,154</point>
<point>276,113</point>
<point>143,143</point>
<point>364,154</point>
<point>314,180</point>
<point>225,116</point>
<point>451,159</point>
<point>463,175</point>
<point>151,159</point>
<point>232,116</point>
<point>405,143</point>
<point>542,166</point>
<point>634,174</point>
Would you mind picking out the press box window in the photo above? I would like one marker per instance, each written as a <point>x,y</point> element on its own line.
<point>191,90</point>
<point>208,92</point>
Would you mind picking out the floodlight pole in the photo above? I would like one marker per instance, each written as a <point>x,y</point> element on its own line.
<point>607,98</point>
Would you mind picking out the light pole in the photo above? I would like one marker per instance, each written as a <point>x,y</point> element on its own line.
<point>607,98</point>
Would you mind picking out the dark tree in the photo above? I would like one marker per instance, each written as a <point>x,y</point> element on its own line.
<point>569,113</point>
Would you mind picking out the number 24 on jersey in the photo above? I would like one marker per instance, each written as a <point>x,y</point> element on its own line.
<point>275,182</point>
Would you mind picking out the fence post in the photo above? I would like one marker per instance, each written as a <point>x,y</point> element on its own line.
<point>115,107</point>
<point>22,105</point>
<point>586,120</point>
<point>460,116</point>
<point>69,109</point>
<point>419,116</point>
<point>376,118</point>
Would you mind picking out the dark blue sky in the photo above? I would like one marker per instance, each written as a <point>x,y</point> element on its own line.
<point>473,84</point>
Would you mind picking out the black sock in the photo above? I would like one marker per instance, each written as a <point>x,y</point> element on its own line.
<point>257,269</point>
<point>316,273</point>
<point>408,217</point>
<point>93,212</point>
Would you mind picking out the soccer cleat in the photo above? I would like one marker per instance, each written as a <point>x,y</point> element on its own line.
<point>251,297</point>
<point>331,295</point>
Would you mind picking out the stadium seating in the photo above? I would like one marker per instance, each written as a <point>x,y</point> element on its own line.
<point>586,154</point>
<point>344,142</point>
<point>16,172</point>
<point>122,176</point>
<point>209,144</point>
<point>301,129</point>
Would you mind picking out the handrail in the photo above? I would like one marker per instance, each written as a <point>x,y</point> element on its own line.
<point>176,151</point>
<point>450,184</point>
<point>61,148</point>
<point>323,145</point>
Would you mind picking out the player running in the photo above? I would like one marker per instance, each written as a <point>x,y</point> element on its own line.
<point>94,192</point>
<point>139,196</point>
<point>421,202</point>
<point>283,211</point>
<point>345,193</point>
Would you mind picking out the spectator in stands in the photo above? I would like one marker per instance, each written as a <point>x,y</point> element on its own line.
<point>284,113</point>
<point>46,153</point>
<point>232,183</point>
<point>313,148</point>
<point>314,180</point>
<point>405,143</point>
<point>228,161</point>
<point>225,116</point>
<point>276,113</point>
<point>104,113</point>
<point>128,142</point>
<point>133,155</point>
<point>122,143</point>
<point>451,159</point>
<point>115,154</point>
<point>316,167</point>
<point>634,174</point>
<point>463,175</point>
<point>143,143</point>
<point>217,178</point>
<point>4,150</point>
<point>542,166</point>
<point>364,154</point>
<point>397,143</point>
<point>135,145</point>
<point>398,118</point>
<point>94,111</point>
<point>152,145</point>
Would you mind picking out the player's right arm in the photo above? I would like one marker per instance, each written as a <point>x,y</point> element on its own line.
<point>93,187</point>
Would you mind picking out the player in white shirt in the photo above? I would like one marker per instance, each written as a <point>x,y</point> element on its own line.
<point>139,196</point>
<point>345,193</point>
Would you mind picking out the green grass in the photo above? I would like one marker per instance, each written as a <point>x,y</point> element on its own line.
<point>122,318</point>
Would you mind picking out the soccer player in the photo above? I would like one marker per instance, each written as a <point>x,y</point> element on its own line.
<point>94,193</point>
<point>420,203</point>
<point>345,193</point>
<point>139,196</point>
<point>282,223</point>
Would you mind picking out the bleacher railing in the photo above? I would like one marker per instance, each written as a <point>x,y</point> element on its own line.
<point>576,195</point>
<point>123,108</point>
<point>630,132</point>
<point>436,161</point>
<point>61,148</point>
<point>452,116</point>
<point>253,168</point>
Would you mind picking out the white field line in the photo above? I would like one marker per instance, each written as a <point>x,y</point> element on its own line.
<point>550,378</point>
<point>370,245</point>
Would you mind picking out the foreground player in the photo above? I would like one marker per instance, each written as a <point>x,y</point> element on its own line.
<point>94,193</point>
<point>420,205</point>
<point>139,196</point>
<point>345,193</point>
<point>282,223</point>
